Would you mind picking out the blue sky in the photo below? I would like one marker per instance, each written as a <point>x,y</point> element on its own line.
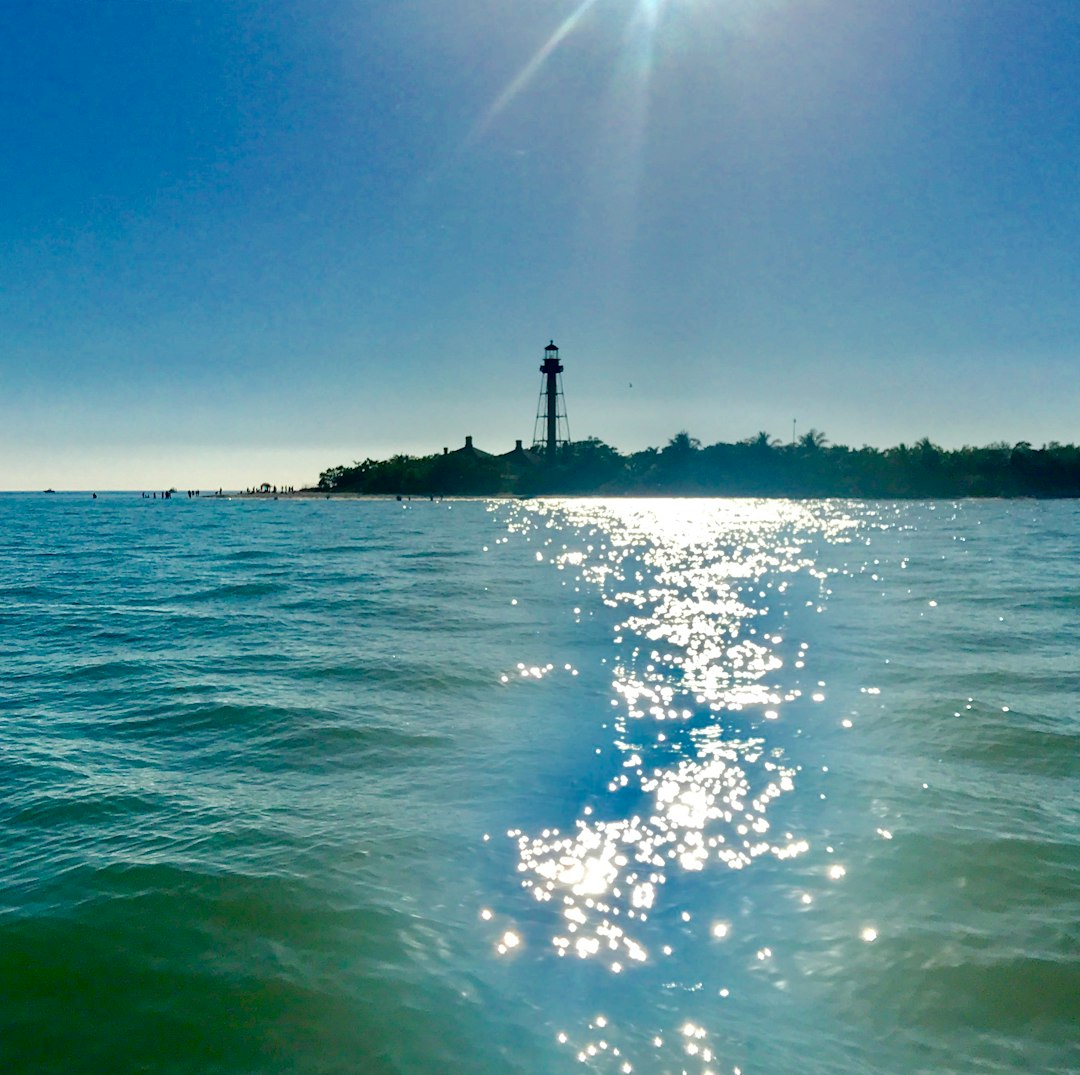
<point>244,241</point>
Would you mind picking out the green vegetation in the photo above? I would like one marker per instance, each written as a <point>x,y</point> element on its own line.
<point>757,466</point>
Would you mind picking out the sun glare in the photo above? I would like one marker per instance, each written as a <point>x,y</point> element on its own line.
<point>641,21</point>
<point>644,18</point>
<point>528,72</point>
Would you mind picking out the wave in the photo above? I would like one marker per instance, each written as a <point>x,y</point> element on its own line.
<point>236,973</point>
<point>231,591</point>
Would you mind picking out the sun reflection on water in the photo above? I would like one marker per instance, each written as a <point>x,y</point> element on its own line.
<point>700,593</point>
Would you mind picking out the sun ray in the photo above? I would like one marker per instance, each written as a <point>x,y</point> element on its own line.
<point>528,72</point>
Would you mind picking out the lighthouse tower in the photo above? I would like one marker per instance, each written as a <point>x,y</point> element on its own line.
<point>551,428</point>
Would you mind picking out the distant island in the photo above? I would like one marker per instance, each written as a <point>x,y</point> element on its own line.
<point>759,466</point>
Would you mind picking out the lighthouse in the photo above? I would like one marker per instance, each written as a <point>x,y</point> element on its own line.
<point>551,428</point>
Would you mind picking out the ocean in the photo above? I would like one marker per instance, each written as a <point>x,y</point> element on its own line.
<point>539,786</point>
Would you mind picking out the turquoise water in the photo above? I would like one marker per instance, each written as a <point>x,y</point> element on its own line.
<point>650,786</point>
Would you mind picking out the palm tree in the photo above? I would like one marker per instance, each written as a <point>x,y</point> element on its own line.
<point>813,440</point>
<point>682,445</point>
<point>763,441</point>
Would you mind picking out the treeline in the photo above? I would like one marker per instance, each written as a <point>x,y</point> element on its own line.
<point>758,466</point>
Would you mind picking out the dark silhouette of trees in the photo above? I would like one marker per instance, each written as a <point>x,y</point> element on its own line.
<point>813,440</point>
<point>586,466</point>
<point>757,466</point>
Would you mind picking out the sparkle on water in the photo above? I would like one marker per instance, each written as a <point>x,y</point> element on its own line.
<point>509,787</point>
<point>697,644</point>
